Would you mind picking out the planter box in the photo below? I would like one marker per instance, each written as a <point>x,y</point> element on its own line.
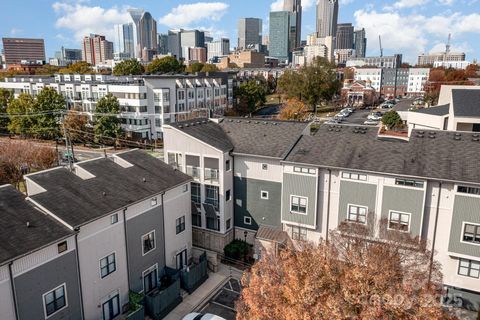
<point>195,276</point>
<point>161,301</point>
<point>137,315</point>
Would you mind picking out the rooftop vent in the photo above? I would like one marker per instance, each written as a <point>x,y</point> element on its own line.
<point>337,130</point>
<point>421,132</point>
<point>238,121</point>
<point>457,138</point>
<point>180,126</point>
<point>458,134</point>
<point>265,122</point>
<point>104,194</point>
<point>420,135</point>
<point>144,179</point>
<point>28,224</point>
<point>204,121</point>
<point>230,120</point>
<point>475,139</point>
<point>249,121</point>
<point>187,125</point>
<point>431,136</point>
<point>476,135</point>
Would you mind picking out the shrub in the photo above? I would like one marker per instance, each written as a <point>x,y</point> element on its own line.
<point>236,249</point>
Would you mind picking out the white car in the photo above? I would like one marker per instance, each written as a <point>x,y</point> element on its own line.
<point>374,117</point>
<point>200,316</point>
<point>370,123</point>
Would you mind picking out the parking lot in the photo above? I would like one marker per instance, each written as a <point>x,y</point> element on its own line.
<point>223,301</point>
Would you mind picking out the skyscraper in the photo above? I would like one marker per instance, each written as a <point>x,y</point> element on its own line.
<point>144,31</point>
<point>249,32</point>
<point>295,6</point>
<point>17,50</point>
<point>344,36</point>
<point>162,40</point>
<point>281,23</point>
<point>360,43</point>
<point>327,17</point>
<point>218,48</point>
<point>124,40</point>
<point>96,49</point>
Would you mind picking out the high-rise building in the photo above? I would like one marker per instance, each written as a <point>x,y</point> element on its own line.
<point>431,58</point>
<point>327,17</point>
<point>162,41</point>
<point>18,50</point>
<point>191,39</point>
<point>345,36</point>
<point>144,31</point>
<point>249,32</point>
<point>360,43</point>
<point>124,40</point>
<point>218,48</point>
<point>96,49</point>
<point>281,24</point>
<point>174,44</point>
<point>295,6</point>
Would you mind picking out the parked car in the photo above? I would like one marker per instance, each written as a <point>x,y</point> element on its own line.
<point>199,316</point>
<point>370,123</point>
<point>374,117</point>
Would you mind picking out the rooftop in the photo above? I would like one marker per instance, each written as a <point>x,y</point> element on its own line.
<point>23,228</point>
<point>442,110</point>
<point>466,103</point>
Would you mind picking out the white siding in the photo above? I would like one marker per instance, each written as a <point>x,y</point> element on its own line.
<point>7,309</point>
<point>251,168</point>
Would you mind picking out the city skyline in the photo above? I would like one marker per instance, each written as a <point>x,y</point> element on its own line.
<point>65,23</point>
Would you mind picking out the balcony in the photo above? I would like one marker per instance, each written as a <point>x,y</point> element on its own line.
<point>211,175</point>
<point>194,172</point>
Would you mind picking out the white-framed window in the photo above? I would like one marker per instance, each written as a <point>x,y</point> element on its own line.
<point>354,176</point>
<point>469,190</point>
<point>114,218</point>
<point>469,268</point>
<point>62,246</point>
<point>154,201</point>
<point>264,195</point>
<point>148,242</point>
<point>228,224</point>
<point>247,220</point>
<point>357,213</point>
<point>55,300</point>
<point>185,188</point>
<point>227,165</point>
<point>399,221</point>
<point>107,265</point>
<point>304,170</point>
<point>111,308</point>
<point>180,224</point>
<point>228,195</point>
<point>195,195</point>
<point>409,183</point>
<point>471,233</point>
<point>150,279</point>
<point>264,166</point>
<point>299,233</point>
<point>298,204</point>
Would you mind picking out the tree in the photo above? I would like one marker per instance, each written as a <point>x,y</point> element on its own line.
<point>128,67</point>
<point>195,67</point>
<point>472,71</point>
<point>250,95</point>
<point>351,276</point>
<point>208,67</point>
<point>48,106</point>
<point>391,119</point>
<point>293,109</point>
<point>165,65</point>
<point>6,97</point>
<point>107,127</point>
<point>80,67</point>
<point>76,125</point>
<point>20,110</point>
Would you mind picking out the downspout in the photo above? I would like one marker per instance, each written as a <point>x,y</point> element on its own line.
<point>163,229</point>
<point>328,202</point>
<point>12,286</point>
<point>79,275</point>
<point>126,245</point>
<point>434,232</point>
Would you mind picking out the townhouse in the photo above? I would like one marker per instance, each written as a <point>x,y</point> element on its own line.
<point>290,184</point>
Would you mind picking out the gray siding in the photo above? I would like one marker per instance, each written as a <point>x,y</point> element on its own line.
<point>137,263</point>
<point>465,209</point>
<point>362,194</point>
<point>404,200</point>
<point>469,300</point>
<point>249,203</point>
<point>304,186</point>
<point>32,285</point>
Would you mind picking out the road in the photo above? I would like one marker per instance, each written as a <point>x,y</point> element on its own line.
<point>360,116</point>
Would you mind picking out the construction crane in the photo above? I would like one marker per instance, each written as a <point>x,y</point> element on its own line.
<point>380,41</point>
<point>447,47</point>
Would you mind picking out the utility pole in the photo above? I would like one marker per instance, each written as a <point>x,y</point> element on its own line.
<point>65,135</point>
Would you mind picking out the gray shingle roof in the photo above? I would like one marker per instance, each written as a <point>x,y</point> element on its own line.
<point>466,103</point>
<point>78,201</point>
<point>442,157</point>
<point>436,111</point>
<point>206,131</point>
<point>16,239</point>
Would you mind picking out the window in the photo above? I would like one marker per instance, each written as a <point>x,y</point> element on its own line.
<point>399,221</point>
<point>175,160</point>
<point>227,165</point>
<point>185,188</point>
<point>54,300</point>
<point>470,190</point>
<point>299,233</point>
<point>264,195</point>
<point>354,176</point>
<point>62,247</point>
<point>211,196</point>
<point>264,166</point>
<point>247,220</point>
<point>150,280</point>
<point>107,265</point>
<point>409,183</point>
<point>181,259</point>
<point>154,201</point>
<point>148,242</point>
<point>228,224</point>
<point>304,170</point>
<point>357,214</point>
<point>180,224</point>
<point>298,204</point>
<point>114,218</point>
<point>195,195</point>
<point>471,233</point>
<point>228,196</point>
<point>111,308</point>
<point>469,268</point>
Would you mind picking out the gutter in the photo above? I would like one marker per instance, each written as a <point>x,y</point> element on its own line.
<point>12,286</point>
<point>434,232</point>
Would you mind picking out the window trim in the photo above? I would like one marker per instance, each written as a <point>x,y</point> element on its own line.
<point>153,201</point>
<point>61,244</point>
<point>229,166</point>
<point>299,169</point>
<point>112,218</point>
<point>178,229</point>
<point>410,187</point>
<point>64,285</point>
<point>463,231</point>
<point>358,206</point>
<point>306,205</point>
<point>265,166</point>
<point>229,192</point>
<point>147,271</point>
<point>245,220</point>
<point>466,193</point>
<point>300,229</point>
<point>261,195</point>
<point>469,268</point>
<point>400,212</point>
<point>347,175</point>
<point>106,257</point>
<point>154,242</point>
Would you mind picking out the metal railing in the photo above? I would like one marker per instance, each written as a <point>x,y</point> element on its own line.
<point>194,172</point>
<point>211,175</point>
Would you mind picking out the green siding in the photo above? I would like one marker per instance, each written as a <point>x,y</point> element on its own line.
<point>465,209</point>
<point>404,200</point>
<point>304,186</point>
<point>362,194</point>
<point>248,202</point>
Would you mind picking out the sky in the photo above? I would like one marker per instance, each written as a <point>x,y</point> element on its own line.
<point>406,26</point>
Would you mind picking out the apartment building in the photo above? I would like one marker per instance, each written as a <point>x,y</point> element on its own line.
<point>417,78</point>
<point>299,186</point>
<point>147,103</point>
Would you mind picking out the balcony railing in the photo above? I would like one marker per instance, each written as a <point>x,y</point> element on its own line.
<point>194,172</point>
<point>211,175</point>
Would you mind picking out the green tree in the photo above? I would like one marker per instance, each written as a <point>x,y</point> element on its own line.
<point>209,68</point>
<point>6,97</point>
<point>48,107</point>
<point>195,67</point>
<point>128,67</point>
<point>81,67</point>
<point>165,65</point>
<point>20,110</point>
<point>391,119</point>
<point>107,125</point>
<point>250,95</point>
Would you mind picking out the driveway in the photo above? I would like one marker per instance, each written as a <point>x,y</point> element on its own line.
<point>223,301</point>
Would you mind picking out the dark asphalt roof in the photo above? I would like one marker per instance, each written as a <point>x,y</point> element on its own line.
<point>16,239</point>
<point>206,131</point>
<point>466,103</point>
<point>78,201</point>
<point>442,110</point>
<point>441,157</point>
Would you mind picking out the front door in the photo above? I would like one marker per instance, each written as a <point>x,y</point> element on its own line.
<point>182,259</point>
<point>111,308</point>
<point>150,281</point>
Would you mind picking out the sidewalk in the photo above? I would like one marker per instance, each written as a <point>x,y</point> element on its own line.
<point>214,282</point>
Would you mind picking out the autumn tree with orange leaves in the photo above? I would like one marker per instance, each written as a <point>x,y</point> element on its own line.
<point>293,109</point>
<point>354,275</point>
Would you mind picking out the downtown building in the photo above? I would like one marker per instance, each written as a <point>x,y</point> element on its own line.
<point>360,43</point>
<point>282,36</point>
<point>96,49</point>
<point>18,51</point>
<point>431,58</point>
<point>327,18</point>
<point>249,33</point>
<point>142,31</point>
<point>217,49</point>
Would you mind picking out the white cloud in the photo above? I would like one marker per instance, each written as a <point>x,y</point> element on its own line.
<point>186,14</point>
<point>345,2</point>
<point>15,32</point>
<point>277,5</point>
<point>83,19</point>
<point>446,2</point>
<point>403,4</point>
